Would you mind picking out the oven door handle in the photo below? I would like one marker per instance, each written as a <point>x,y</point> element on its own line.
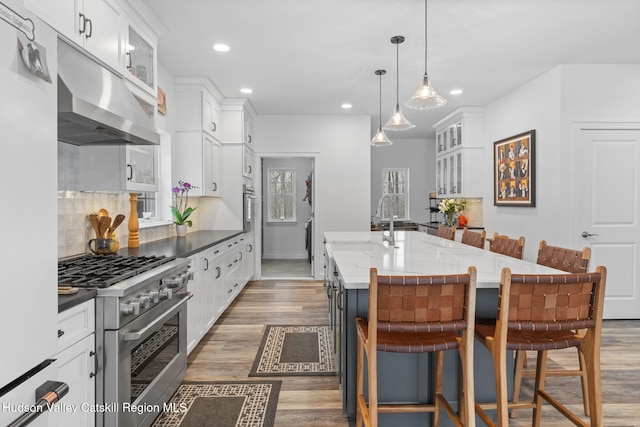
<point>134,336</point>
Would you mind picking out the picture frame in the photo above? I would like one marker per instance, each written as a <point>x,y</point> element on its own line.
<point>162,102</point>
<point>514,170</point>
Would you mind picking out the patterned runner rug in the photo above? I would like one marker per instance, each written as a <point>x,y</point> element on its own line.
<point>290,350</point>
<point>223,404</point>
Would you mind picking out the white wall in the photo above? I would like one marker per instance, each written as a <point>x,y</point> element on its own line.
<point>340,146</point>
<point>419,156</point>
<point>550,104</point>
<point>286,240</point>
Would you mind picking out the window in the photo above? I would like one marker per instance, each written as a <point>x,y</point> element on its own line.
<point>395,182</point>
<point>282,195</point>
<point>147,205</point>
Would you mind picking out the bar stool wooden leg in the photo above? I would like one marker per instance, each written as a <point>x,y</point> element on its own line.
<point>438,387</point>
<point>502,397</point>
<point>591,354</point>
<point>359,383</point>
<point>467,412</point>
<point>521,357</point>
<point>585,384</point>
<point>541,369</point>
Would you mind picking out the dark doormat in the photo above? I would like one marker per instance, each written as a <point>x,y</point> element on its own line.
<point>223,404</point>
<point>292,350</point>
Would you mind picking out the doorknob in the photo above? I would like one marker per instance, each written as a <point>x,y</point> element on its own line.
<point>585,234</point>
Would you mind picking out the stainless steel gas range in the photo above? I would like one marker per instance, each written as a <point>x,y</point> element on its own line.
<point>141,320</point>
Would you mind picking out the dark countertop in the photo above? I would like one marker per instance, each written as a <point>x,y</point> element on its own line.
<point>171,247</point>
<point>65,302</point>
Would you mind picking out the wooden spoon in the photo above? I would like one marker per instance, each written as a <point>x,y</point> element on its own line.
<point>102,212</point>
<point>105,223</point>
<point>93,219</point>
<point>116,223</point>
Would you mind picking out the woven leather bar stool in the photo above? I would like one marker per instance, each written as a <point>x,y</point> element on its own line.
<point>473,238</point>
<point>571,261</point>
<point>445,232</point>
<point>542,313</point>
<point>417,314</point>
<point>507,246</point>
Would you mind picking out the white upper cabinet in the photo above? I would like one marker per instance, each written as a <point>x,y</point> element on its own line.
<point>197,109</point>
<point>459,147</point>
<point>140,58</point>
<point>95,25</point>
<point>237,122</point>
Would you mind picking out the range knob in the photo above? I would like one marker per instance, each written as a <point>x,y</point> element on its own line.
<point>146,301</point>
<point>131,308</point>
<point>173,282</point>
<point>155,296</point>
<point>166,294</point>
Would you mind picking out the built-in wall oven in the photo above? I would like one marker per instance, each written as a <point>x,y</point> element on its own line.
<point>249,210</point>
<point>141,335</point>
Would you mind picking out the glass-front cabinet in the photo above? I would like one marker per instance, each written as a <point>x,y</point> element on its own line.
<point>140,59</point>
<point>459,147</point>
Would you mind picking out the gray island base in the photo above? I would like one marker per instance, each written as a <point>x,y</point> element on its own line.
<point>408,378</point>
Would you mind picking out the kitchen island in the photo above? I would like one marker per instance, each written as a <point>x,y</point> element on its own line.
<point>407,377</point>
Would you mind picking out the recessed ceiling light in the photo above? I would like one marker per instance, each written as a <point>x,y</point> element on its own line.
<point>346,106</point>
<point>455,91</point>
<point>220,47</point>
<point>246,90</point>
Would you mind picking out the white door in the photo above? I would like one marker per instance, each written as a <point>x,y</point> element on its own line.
<point>608,169</point>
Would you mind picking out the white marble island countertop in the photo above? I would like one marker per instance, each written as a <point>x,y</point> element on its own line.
<point>417,253</point>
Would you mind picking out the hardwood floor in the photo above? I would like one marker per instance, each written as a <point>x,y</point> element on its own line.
<point>286,269</point>
<point>228,350</point>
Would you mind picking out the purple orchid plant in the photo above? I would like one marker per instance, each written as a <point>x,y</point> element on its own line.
<point>180,210</point>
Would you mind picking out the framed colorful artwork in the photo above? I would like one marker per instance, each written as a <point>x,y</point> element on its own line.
<point>514,170</point>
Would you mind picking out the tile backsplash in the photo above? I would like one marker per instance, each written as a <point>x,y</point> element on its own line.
<point>74,207</point>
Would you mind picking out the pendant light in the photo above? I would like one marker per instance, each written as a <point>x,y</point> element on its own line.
<point>380,139</point>
<point>426,96</point>
<point>397,121</point>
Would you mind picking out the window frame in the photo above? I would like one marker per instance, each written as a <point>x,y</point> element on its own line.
<point>405,193</point>
<point>271,194</point>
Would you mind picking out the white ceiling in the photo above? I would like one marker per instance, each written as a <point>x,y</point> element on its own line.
<point>310,56</point>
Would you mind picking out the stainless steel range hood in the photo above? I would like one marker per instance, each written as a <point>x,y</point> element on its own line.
<point>95,106</point>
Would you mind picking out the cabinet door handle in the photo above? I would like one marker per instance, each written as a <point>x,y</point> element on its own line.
<point>249,139</point>
<point>130,177</point>
<point>83,23</point>
<point>240,256</point>
<point>60,333</point>
<point>250,248</point>
<point>215,186</point>
<point>249,168</point>
<point>90,32</point>
<point>130,63</point>
<point>214,127</point>
<point>219,271</point>
<point>95,364</point>
<point>207,263</point>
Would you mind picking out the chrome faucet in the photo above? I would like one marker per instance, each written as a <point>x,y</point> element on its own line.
<point>391,238</point>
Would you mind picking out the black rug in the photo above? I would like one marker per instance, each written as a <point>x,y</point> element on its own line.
<point>290,350</point>
<point>223,404</point>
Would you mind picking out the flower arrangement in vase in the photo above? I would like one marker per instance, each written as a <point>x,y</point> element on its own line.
<point>180,209</point>
<point>449,208</point>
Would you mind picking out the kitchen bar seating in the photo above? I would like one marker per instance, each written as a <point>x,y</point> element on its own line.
<point>541,313</point>
<point>417,314</point>
<point>506,246</point>
<point>446,232</point>
<point>473,238</point>
<point>571,261</point>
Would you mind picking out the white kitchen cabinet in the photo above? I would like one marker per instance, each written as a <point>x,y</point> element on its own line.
<point>119,168</point>
<point>237,122</point>
<point>197,108</point>
<point>248,259</point>
<point>76,361</point>
<point>95,25</point>
<point>196,158</point>
<point>194,309</point>
<point>140,58</point>
<point>459,148</point>
<point>214,284</point>
<point>248,159</point>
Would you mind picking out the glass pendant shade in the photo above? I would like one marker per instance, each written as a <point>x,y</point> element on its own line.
<point>380,139</point>
<point>426,97</point>
<point>398,121</point>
